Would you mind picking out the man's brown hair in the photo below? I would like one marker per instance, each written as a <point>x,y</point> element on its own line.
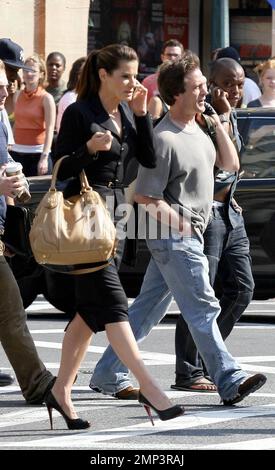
<point>172,43</point>
<point>172,75</point>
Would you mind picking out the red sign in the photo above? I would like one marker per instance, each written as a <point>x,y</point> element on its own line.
<point>251,35</point>
<point>176,21</point>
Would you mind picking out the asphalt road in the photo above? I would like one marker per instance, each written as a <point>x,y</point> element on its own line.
<point>121,425</point>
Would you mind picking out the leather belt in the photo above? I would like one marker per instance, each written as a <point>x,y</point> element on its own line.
<point>221,195</point>
<point>108,184</point>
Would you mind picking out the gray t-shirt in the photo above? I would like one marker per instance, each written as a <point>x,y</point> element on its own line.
<point>183,176</point>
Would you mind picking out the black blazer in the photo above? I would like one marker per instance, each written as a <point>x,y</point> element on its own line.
<point>85,117</point>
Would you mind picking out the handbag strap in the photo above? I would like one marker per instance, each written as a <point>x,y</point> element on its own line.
<point>85,187</point>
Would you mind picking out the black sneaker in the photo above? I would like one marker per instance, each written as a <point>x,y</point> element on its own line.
<point>250,385</point>
<point>6,379</point>
<point>96,389</point>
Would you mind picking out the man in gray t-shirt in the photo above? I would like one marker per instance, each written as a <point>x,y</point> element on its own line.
<point>178,193</point>
<point>176,178</point>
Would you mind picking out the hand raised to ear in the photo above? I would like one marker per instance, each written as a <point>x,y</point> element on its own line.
<point>219,100</point>
<point>138,103</point>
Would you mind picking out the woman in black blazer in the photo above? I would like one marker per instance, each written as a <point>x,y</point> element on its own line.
<point>105,132</point>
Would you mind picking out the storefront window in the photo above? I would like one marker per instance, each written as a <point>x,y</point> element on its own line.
<point>251,32</point>
<point>253,4</point>
<point>141,24</point>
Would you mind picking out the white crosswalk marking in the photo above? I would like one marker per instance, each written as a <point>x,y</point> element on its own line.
<point>40,305</point>
<point>90,439</point>
<point>131,428</point>
<point>267,443</point>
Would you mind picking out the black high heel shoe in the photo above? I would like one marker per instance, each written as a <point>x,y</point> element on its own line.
<point>77,423</point>
<point>164,415</point>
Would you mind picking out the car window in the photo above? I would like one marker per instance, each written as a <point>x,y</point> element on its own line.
<point>258,157</point>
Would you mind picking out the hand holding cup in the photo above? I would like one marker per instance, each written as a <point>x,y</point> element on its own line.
<point>10,183</point>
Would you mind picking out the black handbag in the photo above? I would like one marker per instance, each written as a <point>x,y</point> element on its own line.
<point>17,229</point>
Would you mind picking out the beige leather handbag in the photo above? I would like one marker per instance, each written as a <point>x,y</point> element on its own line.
<point>129,192</point>
<point>75,235</point>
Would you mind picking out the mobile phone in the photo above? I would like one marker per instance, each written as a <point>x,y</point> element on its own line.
<point>209,110</point>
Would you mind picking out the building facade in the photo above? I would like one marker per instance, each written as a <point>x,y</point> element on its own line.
<point>74,27</point>
<point>201,26</point>
<point>44,26</point>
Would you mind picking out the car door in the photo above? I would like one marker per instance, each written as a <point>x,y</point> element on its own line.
<point>256,194</point>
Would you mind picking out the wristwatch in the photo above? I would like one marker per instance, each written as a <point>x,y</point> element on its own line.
<point>224,118</point>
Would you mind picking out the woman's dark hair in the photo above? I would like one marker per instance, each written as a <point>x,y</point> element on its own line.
<point>75,73</point>
<point>107,58</point>
<point>171,78</point>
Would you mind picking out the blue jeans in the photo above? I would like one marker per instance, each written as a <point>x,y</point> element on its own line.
<point>227,251</point>
<point>179,267</point>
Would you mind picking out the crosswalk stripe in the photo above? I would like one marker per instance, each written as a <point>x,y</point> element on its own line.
<point>103,439</point>
<point>172,394</point>
<point>267,443</point>
<point>255,307</point>
<point>163,328</point>
<point>259,368</point>
<point>83,440</point>
<point>18,418</point>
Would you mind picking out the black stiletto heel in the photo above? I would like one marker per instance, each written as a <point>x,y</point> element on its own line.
<point>164,415</point>
<point>77,423</point>
<point>50,411</point>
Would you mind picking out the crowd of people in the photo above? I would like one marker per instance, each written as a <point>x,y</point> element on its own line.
<point>185,170</point>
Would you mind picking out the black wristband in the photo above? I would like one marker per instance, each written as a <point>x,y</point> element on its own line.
<point>224,118</point>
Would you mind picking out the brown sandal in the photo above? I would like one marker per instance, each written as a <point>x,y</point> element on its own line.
<point>201,384</point>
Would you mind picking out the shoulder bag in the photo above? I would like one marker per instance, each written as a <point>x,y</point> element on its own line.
<point>17,228</point>
<point>74,235</point>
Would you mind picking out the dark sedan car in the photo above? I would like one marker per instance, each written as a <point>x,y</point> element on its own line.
<point>255,193</point>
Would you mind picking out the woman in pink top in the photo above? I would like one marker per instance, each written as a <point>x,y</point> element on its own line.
<point>70,94</point>
<point>35,115</point>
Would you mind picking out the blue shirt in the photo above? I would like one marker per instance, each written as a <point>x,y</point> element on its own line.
<point>3,159</point>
